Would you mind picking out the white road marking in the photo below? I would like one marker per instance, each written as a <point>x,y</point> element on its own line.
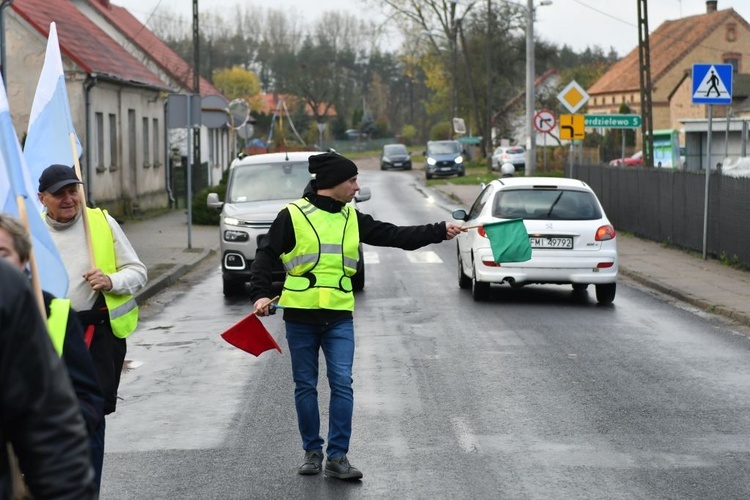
<point>424,257</point>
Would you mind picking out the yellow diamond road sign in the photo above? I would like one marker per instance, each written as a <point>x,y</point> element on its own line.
<point>573,96</point>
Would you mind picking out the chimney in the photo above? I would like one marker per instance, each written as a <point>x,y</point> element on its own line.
<point>711,6</point>
<point>105,4</point>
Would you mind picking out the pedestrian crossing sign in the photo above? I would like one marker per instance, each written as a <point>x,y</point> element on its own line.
<point>712,83</point>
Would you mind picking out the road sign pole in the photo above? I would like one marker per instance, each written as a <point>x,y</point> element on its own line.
<point>708,176</point>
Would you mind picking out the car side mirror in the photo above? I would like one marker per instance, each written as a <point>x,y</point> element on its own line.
<point>424,153</point>
<point>460,214</point>
<point>363,194</point>
<point>212,200</point>
<point>409,153</point>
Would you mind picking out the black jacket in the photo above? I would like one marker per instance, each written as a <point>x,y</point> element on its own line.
<point>80,368</point>
<point>39,414</point>
<point>280,239</point>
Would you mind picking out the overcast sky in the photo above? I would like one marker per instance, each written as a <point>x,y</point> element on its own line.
<point>577,23</point>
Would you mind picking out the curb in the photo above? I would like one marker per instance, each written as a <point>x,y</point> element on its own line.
<point>702,304</point>
<point>171,276</point>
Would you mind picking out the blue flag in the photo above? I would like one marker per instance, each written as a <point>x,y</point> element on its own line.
<point>509,241</point>
<point>16,187</point>
<point>50,122</point>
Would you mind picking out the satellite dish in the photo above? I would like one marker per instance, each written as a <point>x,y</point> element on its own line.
<point>240,110</point>
<point>246,130</point>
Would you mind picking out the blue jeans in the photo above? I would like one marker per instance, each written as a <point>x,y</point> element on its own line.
<point>337,342</point>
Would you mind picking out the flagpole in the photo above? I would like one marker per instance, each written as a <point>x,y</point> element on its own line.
<point>36,285</point>
<point>84,212</point>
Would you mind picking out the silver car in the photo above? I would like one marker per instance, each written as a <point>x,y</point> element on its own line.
<point>515,155</point>
<point>258,187</point>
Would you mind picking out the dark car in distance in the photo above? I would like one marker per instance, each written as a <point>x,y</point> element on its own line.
<point>443,158</point>
<point>395,156</point>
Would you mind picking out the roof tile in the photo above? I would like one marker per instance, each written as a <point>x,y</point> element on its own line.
<point>160,52</point>
<point>83,42</point>
<point>669,44</point>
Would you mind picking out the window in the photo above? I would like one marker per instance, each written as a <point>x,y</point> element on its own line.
<point>113,150</point>
<point>131,139</point>
<point>99,142</point>
<point>734,59</point>
<point>146,138</point>
<point>546,204</point>
<point>155,132</point>
<point>731,32</point>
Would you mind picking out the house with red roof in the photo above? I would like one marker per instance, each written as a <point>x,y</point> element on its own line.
<point>718,36</point>
<point>158,57</point>
<point>117,103</point>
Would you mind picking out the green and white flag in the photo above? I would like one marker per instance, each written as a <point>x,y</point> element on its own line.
<point>509,241</point>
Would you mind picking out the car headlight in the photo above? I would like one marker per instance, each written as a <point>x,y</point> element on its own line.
<point>460,159</point>
<point>236,236</point>
<point>431,161</point>
<point>231,221</point>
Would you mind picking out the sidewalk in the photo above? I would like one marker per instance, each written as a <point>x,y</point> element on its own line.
<point>162,244</point>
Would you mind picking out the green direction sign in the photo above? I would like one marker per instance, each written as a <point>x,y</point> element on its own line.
<point>612,121</point>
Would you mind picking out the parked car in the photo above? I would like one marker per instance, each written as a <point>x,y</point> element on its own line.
<point>631,161</point>
<point>395,156</point>
<point>258,187</point>
<point>444,158</point>
<point>571,238</point>
<point>354,134</point>
<point>515,155</point>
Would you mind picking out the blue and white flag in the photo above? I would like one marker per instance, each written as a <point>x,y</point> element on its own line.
<point>50,123</point>
<point>14,182</point>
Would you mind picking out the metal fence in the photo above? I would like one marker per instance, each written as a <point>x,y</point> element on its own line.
<point>668,206</point>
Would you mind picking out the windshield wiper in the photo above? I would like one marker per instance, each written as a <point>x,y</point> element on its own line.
<point>552,207</point>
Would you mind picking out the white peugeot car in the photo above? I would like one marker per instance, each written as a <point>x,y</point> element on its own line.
<point>572,241</point>
<point>258,187</point>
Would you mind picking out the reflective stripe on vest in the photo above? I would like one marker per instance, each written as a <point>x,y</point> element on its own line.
<point>324,258</point>
<point>57,323</point>
<point>123,310</point>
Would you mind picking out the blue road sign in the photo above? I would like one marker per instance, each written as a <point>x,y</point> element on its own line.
<point>712,83</point>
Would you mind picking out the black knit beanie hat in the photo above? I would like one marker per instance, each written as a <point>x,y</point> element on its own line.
<point>331,169</point>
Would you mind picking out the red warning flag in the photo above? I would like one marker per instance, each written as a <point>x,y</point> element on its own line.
<point>251,336</point>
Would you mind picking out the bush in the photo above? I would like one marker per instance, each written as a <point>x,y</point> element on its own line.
<point>408,134</point>
<point>441,132</point>
<point>203,215</point>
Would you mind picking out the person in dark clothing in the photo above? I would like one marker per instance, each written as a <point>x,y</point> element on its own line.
<point>67,334</point>
<point>317,239</point>
<point>39,416</point>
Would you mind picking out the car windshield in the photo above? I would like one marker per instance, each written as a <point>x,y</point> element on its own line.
<point>268,181</point>
<point>396,149</point>
<point>444,148</point>
<point>543,204</point>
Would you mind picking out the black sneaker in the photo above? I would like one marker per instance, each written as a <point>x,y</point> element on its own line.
<point>313,463</point>
<point>340,468</point>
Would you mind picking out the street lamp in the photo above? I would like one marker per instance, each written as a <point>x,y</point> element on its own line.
<point>530,90</point>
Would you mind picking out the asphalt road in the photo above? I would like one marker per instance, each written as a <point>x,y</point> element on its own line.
<point>538,393</point>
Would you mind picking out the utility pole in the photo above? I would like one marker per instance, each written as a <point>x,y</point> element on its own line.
<point>644,60</point>
<point>487,135</point>
<point>196,89</point>
<point>530,91</point>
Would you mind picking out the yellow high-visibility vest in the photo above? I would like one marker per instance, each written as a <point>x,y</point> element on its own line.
<point>320,266</point>
<point>57,323</point>
<point>123,310</point>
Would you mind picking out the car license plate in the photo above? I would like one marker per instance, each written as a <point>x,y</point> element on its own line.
<point>398,163</point>
<point>551,242</point>
<point>445,169</point>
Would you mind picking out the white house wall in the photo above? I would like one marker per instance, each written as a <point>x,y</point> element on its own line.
<point>121,176</point>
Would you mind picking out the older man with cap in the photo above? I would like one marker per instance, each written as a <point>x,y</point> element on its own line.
<point>102,291</point>
<point>317,239</point>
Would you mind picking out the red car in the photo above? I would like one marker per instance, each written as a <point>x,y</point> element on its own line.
<point>631,161</point>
